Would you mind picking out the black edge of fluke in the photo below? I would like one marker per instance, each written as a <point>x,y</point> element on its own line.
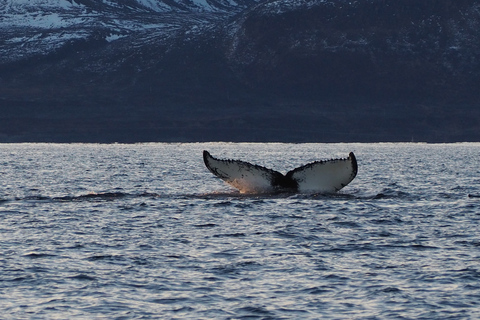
<point>207,155</point>
<point>354,163</point>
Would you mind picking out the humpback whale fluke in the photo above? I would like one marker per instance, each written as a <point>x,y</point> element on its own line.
<point>325,176</point>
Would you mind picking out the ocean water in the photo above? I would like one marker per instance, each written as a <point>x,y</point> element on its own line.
<point>144,231</point>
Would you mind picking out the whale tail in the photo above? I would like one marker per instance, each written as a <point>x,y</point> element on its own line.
<point>317,177</point>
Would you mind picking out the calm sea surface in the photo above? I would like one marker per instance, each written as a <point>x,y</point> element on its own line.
<point>144,231</point>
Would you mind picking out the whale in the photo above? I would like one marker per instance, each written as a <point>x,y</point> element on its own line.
<point>325,176</point>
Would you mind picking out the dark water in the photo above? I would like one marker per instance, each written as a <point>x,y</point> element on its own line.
<point>146,232</point>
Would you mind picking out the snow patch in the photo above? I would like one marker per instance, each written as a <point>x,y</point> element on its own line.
<point>41,20</point>
<point>114,37</point>
<point>154,5</point>
<point>204,5</point>
<point>15,6</point>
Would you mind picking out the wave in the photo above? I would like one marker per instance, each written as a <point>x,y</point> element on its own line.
<point>91,196</point>
<point>386,193</point>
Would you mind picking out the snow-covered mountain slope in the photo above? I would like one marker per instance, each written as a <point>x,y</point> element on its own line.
<point>19,6</point>
<point>39,27</point>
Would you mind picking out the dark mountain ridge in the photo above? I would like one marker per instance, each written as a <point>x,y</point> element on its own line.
<point>284,70</point>
<point>393,50</point>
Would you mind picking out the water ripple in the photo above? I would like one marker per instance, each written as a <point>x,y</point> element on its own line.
<point>121,231</point>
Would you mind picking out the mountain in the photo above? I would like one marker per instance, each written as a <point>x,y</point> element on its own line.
<point>239,70</point>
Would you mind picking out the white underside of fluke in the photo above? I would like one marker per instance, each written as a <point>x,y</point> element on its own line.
<point>324,176</point>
